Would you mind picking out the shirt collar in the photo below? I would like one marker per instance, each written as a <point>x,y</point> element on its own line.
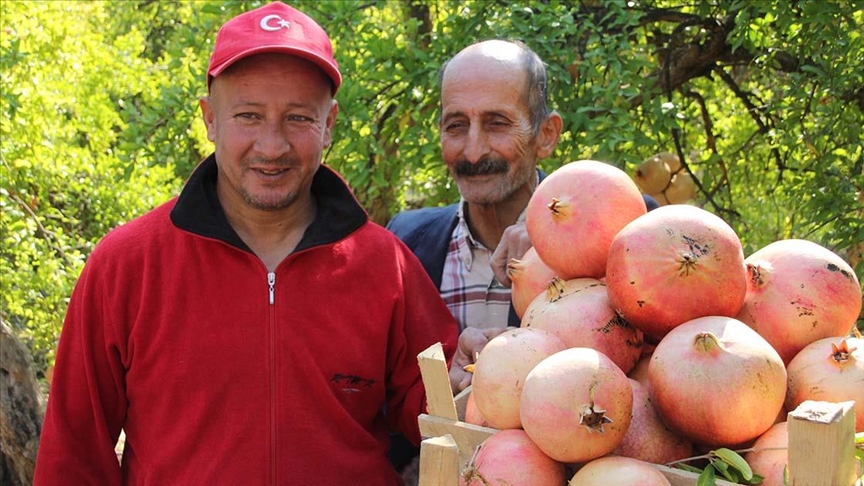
<point>462,233</point>
<point>463,238</point>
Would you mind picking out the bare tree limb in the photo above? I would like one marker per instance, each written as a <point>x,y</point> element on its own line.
<point>755,113</point>
<point>41,231</point>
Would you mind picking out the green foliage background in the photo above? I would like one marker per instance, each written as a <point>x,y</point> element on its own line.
<point>100,116</point>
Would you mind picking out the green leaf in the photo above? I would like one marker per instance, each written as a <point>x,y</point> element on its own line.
<point>688,467</point>
<point>756,479</point>
<point>735,460</point>
<point>707,478</point>
<point>723,468</point>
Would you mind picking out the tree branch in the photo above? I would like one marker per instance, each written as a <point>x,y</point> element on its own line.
<point>41,231</point>
<point>754,112</point>
<point>711,142</point>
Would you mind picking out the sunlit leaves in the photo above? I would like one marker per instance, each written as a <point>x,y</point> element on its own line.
<point>100,115</point>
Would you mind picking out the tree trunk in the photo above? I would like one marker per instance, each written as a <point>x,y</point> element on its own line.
<point>21,411</point>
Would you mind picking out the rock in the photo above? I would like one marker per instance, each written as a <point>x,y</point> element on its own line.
<point>22,409</point>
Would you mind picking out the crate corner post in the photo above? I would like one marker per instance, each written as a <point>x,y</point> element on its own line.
<point>439,461</point>
<point>822,444</point>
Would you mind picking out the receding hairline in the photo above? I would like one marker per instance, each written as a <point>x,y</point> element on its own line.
<point>522,58</point>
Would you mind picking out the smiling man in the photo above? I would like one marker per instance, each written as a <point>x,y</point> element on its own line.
<point>254,329</point>
<point>495,127</point>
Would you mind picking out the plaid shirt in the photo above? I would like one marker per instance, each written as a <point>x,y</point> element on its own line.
<point>468,286</point>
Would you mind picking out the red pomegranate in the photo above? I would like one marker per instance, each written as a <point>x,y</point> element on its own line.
<point>500,371</point>
<point>578,312</point>
<point>799,292</point>
<point>717,382</point>
<point>576,405</point>
<point>529,277</point>
<point>509,457</point>
<point>618,471</point>
<point>674,264</point>
<point>576,211</point>
<point>648,439</point>
<point>770,455</point>
<point>472,415</point>
<point>828,370</point>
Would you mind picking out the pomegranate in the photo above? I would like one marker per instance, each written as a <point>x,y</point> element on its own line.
<point>770,455</point>
<point>652,175</point>
<point>618,470</point>
<point>576,211</point>
<point>671,160</point>
<point>648,439</point>
<point>509,457</point>
<point>640,371</point>
<point>529,277</point>
<point>799,292</point>
<point>681,189</point>
<point>660,198</point>
<point>675,264</point>
<point>500,371</point>
<point>472,415</point>
<point>829,370</point>
<point>578,312</point>
<point>717,382</point>
<point>576,405</point>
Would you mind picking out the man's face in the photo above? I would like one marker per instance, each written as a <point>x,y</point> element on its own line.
<point>270,117</point>
<point>486,136</point>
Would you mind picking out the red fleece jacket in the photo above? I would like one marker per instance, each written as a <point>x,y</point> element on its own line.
<point>222,373</point>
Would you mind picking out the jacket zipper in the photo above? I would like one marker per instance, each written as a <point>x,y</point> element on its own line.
<point>271,282</point>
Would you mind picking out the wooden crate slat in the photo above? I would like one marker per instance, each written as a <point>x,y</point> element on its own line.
<point>436,380</point>
<point>439,457</point>
<point>822,444</point>
<point>467,436</point>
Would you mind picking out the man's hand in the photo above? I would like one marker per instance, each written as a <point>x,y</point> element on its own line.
<point>471,342</point>
<point>514,243</point>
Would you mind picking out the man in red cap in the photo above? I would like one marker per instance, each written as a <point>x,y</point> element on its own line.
<point>253,329</point>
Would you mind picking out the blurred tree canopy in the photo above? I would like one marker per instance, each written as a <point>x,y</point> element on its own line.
<point>762,100</point>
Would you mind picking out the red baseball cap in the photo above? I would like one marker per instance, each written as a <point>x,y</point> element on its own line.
<point>275,27</point>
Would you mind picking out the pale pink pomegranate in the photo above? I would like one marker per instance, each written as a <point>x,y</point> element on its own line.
<point>472,415</point>
<point>618,471</point>
<point>717,382</point>
<point>500,371</point>
<point>674,264</point>
<point>799,292</point>
<point>829,370</point>
<point>578,312</point>
<point>640,371</point>
<point>648,439</point>
<point>576,211</point>
<point>770,455</point>
<point>529,277</point>
<point>576,405</point>
<point>509,457</point>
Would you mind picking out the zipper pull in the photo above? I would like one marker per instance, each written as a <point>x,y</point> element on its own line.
<point>271,281</point>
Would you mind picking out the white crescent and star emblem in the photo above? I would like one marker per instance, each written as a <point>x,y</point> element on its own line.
<point>281,24</point>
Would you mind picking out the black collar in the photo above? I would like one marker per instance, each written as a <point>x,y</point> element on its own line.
<point>199,211</point>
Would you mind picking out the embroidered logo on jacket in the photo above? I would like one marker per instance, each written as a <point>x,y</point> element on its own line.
<point>352,383</point>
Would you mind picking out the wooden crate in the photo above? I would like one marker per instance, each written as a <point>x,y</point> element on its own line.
<point>821,437</point>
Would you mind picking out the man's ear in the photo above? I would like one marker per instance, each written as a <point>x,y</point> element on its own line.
<point>547,137</point>
<point>331,119</point>
<point>208,116</point>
